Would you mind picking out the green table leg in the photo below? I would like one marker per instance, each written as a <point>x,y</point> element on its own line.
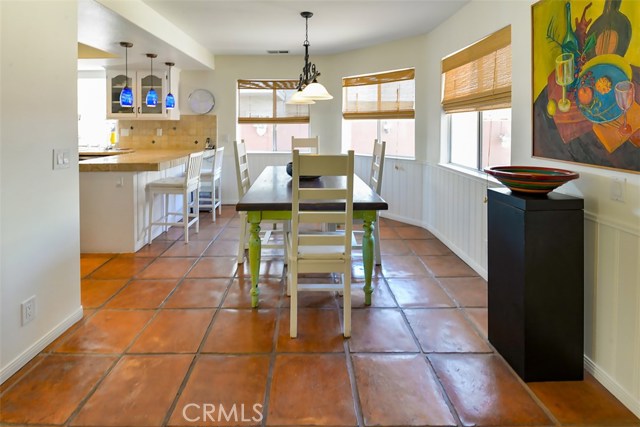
<point>255,247</point>
<point>367,255</point>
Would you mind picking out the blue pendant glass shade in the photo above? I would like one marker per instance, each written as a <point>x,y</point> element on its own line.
<point>170,102</point>
<point>126,97</point>
<point>152,98</point>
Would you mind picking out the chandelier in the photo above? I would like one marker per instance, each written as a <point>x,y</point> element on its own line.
<point>308,89</point>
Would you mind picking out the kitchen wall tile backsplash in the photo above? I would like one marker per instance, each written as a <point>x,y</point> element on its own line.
<point>190,132</point>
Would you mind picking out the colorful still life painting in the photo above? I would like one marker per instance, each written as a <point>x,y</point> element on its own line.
<point>586,82</point>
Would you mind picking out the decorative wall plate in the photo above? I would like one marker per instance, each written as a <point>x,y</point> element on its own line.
<point>201,101</point>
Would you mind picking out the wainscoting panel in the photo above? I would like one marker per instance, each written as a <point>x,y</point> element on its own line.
<point>612,307</point>
<point>454,210</point>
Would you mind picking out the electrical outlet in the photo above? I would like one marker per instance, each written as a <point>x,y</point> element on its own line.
<point>28,310</point>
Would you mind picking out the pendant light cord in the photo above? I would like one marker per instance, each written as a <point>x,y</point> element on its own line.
<point>126,67</point>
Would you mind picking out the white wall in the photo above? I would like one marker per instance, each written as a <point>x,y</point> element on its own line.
<point>450,203</point>
<point>39,221</point>
<point>612,229</point>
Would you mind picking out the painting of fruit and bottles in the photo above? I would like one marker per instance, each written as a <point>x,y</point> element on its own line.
<point>586,82</point>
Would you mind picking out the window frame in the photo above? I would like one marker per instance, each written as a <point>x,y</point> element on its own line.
<point>382,112</point>
<point>479,138</point>
<point>273,120</point>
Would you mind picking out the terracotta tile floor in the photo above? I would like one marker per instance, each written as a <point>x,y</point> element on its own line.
<point>169,339</point>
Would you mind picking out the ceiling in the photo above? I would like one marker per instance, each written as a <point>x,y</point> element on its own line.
<point>243,27</point>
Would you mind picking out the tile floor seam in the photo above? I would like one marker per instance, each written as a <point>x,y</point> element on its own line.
<point>272,363</point>
<point>116,362</point>
<point>354,385</point>
<point>426,360</point>
<point>91,392</point>
<point>198,354</point>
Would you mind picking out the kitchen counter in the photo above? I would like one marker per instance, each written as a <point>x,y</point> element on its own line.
<point>137,161</point>
<point>113,197</point>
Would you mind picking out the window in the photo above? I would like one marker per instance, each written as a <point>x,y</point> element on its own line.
<point>265,121</point>
<point>379,106</point>
<point>93,129</point>
<point>477,100</point>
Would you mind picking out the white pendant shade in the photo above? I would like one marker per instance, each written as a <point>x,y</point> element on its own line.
<point>299,98</point>
<point>316,91</point>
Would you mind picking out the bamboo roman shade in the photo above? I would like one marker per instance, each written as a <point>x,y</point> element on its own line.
<point>479,76</point>
<point>265,101</point>
<point>388,95</point>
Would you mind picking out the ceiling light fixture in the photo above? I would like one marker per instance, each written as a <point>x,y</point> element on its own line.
<point>308,87</point>
<point>170,102</point>
<point>126,95</point>
<point>152,96</point>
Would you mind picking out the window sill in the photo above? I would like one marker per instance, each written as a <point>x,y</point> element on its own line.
<point>470,173</point>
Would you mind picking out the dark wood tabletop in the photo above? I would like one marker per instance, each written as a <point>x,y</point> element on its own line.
<point>272,192</point>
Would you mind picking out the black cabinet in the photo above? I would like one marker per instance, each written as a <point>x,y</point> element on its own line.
<point>536,276</point>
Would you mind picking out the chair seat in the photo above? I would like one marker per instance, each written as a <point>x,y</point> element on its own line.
<point>164,183</point>
<point>321,252</point>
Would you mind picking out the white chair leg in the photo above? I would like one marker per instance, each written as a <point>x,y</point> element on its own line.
<point>150,198</point>
<point>293,314</point>
<point>165,198</point>
<point>220,197</point>
<point>243,239</point>
<point>376,236</point>
<point>197,210</point>
<point>185,217</point>
<point>346,301</point>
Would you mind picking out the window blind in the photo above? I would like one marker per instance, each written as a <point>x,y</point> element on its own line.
<point>388,95</point>
<point>479,76</point>
<point>265,101</point>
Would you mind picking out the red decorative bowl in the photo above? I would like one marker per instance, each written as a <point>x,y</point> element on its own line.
<point>531,179</point>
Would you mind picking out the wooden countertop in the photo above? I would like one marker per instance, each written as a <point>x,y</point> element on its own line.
<point>99,152</point>
<point>137,161</point>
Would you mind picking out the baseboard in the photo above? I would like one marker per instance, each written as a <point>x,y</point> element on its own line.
<point>17,363</point>
<point>461,254</point>
<point>470,262</point>
<point>631,402</point>
<point>410,221</point>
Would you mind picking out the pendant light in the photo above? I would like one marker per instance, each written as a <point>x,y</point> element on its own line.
<point>126,95</point>
<point>152,96</point>
<point>308,86</point>
<point>170,102</point>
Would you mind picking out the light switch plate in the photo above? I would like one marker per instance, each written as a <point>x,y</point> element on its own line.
<point>61,158</point>
<point>618,187</point>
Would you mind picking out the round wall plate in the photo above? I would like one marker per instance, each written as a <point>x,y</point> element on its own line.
<point>201,101</point>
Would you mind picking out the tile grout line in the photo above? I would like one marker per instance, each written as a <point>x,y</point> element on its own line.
<point>272,363</point>
<point>198,353</point>
<point>429,366</point>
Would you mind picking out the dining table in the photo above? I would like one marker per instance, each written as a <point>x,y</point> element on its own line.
<point>270,198</point>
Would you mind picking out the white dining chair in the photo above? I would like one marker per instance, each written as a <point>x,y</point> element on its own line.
<point>305,145</point>
<point>211,184</point>
<point>187,186</point>
<point>321,251</point>
<point>375,183</point>
<point>244,183</point>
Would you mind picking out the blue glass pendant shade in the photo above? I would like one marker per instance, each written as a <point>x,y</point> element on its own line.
<point>126,97</point>
<point>170,101</point>
<point>152,98</point>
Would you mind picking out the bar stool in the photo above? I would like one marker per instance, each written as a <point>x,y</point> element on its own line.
<point>180,185</point>
<point>211,181</point>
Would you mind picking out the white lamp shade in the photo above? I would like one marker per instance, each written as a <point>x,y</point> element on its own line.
<point>316,92</point>
<point>298,98</point>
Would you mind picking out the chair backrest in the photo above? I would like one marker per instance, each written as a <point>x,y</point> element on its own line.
<point>242,167</point>
<point>305,145</point>
<point>192,173</point>
<point>217,162</point>
<point>377,165</point>
<point>342,192</point>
